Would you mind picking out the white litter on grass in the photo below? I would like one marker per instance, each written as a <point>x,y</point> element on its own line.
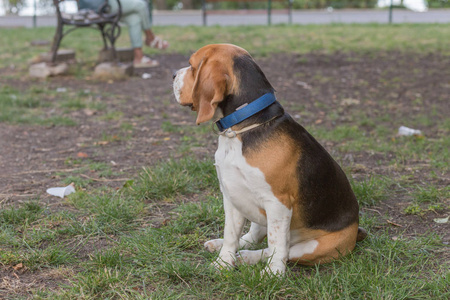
<point>146,76</point>
<point>62,191</point>
<point>441,220</point>
<point>406,131</point>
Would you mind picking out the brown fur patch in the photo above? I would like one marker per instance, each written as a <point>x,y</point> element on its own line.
<point>210,79</point>
<point>277,158</point>
<point>263,212</point>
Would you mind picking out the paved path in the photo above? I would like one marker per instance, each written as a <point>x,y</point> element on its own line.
<point>185,18</point>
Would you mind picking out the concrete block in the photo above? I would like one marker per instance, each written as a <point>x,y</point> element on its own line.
<point>44,70</point>
<point>63,55</point>
<point>123,55</point>
<point>110,70</point>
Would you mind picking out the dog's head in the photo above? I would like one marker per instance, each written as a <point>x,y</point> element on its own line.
<point>221,76</point>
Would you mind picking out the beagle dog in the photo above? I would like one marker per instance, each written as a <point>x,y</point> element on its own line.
<point>271,170</point>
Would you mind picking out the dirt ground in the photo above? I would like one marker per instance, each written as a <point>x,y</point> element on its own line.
<point>317,89</point>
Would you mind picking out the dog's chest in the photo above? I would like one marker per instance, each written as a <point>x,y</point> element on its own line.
<point>243,185</point>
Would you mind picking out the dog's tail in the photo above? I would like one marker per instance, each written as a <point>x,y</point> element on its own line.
<point>362,234</point>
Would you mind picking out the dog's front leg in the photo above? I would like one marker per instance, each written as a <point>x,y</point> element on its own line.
<point>278,236</point>
<point>234,223</point>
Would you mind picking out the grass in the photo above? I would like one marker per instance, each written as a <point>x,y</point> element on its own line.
<point>143,240</point>
<point>260,40</point>
<point>31,105</point>
<point>185,176</point>
<point>167,261</point>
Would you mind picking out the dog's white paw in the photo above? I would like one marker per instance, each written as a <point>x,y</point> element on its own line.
<point>250,257</point>
<point>222,264</point>
<point>274,270</point>
<point>214,245</point>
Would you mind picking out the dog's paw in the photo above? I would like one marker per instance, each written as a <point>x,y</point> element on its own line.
<point>221,264</point>
<point>214,245</point>
<point>250,257</point>
<point>274,270</point>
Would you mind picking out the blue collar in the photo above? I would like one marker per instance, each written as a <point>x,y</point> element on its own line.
<point>246,112</point>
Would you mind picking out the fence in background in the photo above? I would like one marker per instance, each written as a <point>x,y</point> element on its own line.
<point>300,16</point>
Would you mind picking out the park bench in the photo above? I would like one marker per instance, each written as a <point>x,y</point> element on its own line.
<point>91,14</point>
<point>206,11</point>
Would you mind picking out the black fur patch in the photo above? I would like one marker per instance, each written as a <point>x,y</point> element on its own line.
<point>325,193</point>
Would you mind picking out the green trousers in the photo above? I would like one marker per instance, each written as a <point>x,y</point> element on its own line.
<point>136,16</point>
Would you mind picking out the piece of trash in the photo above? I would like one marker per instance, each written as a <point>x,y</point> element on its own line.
<point>441,220</point>
<point>61,90</point>
<point>406,131</point>
<point>62,191</point>
<point>146,76</point>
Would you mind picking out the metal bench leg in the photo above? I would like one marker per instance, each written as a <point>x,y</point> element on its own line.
<point>110,34</point>
<point>102,30</point>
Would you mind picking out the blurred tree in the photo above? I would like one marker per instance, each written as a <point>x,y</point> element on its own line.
<point>45,5</point>
<point>187,4</point>
<point>438,3</point>
<point>160,4</point>
<point>13,7</point>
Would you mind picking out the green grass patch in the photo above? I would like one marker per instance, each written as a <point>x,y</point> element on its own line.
<point>372,190</point>
<point>168,261</point>
<point>26,213</point>
<point>167,180</point>
<point>30,106</point>
<point>259,40</point>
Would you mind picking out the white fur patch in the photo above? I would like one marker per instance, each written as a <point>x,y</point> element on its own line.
<point>243,185</point>
<point>300,249</point>
<point>178,83</point>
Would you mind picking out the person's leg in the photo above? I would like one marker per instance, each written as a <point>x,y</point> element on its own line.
<point>135,15</point>
<point>138,55</point>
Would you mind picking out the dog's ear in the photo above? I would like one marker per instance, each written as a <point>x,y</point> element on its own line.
<point>209,90</point>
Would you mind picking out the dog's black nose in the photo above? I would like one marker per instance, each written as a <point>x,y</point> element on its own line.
<point>174,75</point>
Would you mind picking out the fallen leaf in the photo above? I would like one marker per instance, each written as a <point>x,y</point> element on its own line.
<point>89,112</point>
<point>441,220</point>
<point>350,101</point>
<point>82,154</point>
<point>18,266</point>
